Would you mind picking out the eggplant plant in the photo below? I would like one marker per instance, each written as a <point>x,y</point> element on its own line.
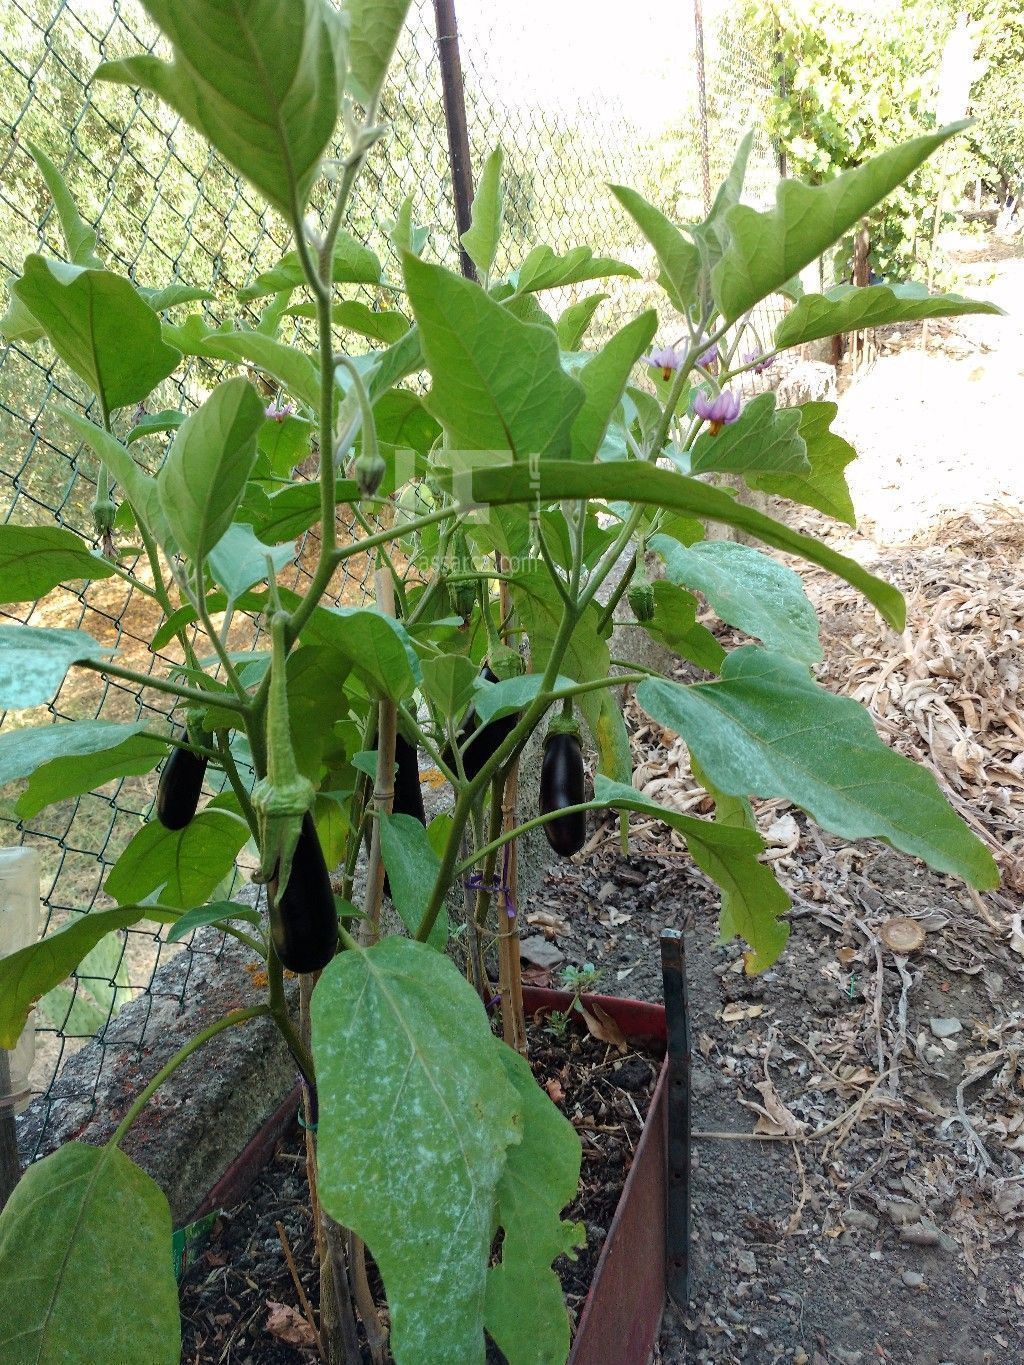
<point>498,471</point>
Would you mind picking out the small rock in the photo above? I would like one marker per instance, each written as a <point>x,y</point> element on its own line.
<point>540,952</point>
<point>606,891</point>
<point>945,1028</point>
<point>746,1261</point>
<point>919,1235</point>
<point>800,1356</point>
<point>902,1211</point>
<point>913,1279</point>
<point>860,1218</point>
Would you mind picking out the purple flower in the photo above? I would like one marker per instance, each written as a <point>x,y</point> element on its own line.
<point>759,360</point>
<point>666,359</point>
<point>708,360</point>
<point>719,409</point>
<point>278,411</point>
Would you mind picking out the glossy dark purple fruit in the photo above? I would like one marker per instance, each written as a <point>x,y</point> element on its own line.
<point>179,788</point>
<point>304,921</point>
<point>562,785</point>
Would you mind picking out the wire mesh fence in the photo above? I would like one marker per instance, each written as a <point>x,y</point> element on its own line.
<point>168,210</point>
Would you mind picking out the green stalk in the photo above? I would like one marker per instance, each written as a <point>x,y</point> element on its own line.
<point>195,694</point>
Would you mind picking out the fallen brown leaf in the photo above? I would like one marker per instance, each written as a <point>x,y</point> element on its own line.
<point>288,1325</point>
<point>603,1027</point>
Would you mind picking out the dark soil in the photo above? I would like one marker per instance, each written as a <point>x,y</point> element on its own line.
<point>881,1230</point>
<point>239,1302</point>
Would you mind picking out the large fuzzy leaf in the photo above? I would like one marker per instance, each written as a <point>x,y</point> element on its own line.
<point>498,383</point>
<point>767,729</point>
<point>677,255</point>
<point>412,867</point>
<point>34,559</point>
<point>481,238</point>
<point>376,645</point>
<point>206,469</point>
<point>824,485</point>
<point>525,1310</point>
<point>847,309</point>
<point>416,1116</point>
<point>766,250</point>
<point>87,315</point>
<point>604,378</point>
<point>291,367</point>
<point>261,81</point>
<point>763,439</point>
<point>85,1231</point>
<point>748,589</point>
<point>180,868</point>
<point>139,487</point>
<point>30,972</point>
<point>34,661</point>
<point>752,900</point>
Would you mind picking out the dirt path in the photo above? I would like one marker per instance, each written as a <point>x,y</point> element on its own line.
<point>884,1221</point>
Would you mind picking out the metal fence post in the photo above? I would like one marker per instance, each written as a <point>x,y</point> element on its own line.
<point>454,93</point>
<point>702,105</point>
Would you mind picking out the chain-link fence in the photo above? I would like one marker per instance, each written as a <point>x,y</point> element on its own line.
<point>167,209</point>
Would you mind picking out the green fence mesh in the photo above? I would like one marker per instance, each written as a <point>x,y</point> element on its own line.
<point>167,209</point>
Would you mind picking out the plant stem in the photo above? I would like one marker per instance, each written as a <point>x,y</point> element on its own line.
<point>492,847</point>
<point>196,694</point>
<point>169,1067</point>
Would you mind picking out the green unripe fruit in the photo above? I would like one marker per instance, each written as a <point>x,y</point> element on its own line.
<point>641,599</point>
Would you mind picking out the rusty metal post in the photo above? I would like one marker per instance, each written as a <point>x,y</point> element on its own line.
<point>454,94</point>
<point>702,105</point>
<point>677,1184</point>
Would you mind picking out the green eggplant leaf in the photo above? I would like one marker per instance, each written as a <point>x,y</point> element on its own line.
<point>387,325</point>
<point>262,82</point>
<point>449,681</point>
<point>204,475</point>
<point>481,238</point>
<point>220,912</point>
<point>677,256</point>
<point>604,378</point>
<point>297,508</point>
<point>765,728</point>
<point>544,269</point>
<point>848,309</point>
<point>498,383</point>
<point>400,1039</point>
<point>173,295</point>
<point>139,487</point>
<point>154,423</point>
<point>572,324</point>
<point>824,486</point>
<point>73,774</point>
<point>412,868</point>
<point>34,559</point>
<point>87,315</point>
<point>763,439</point>
<point>377,647</point>
<point>766,250</point>
<point>30,972</point>
<point>374,27</point>
<point>291,367</point>
<point>34,661</point>
<point>749,590</point>
<point>239,560</point>
<point>79,238</point>
<point>752,900</point>
<point>180,868</point>
<point>525,1308</point>
<point>675,625</point>
<point>352,263</point>
<point>81,1227</point>
<point>644,484</point>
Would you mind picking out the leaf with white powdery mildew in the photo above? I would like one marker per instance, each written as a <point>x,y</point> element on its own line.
<point>416,1116</point>
<point>34,661</point>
